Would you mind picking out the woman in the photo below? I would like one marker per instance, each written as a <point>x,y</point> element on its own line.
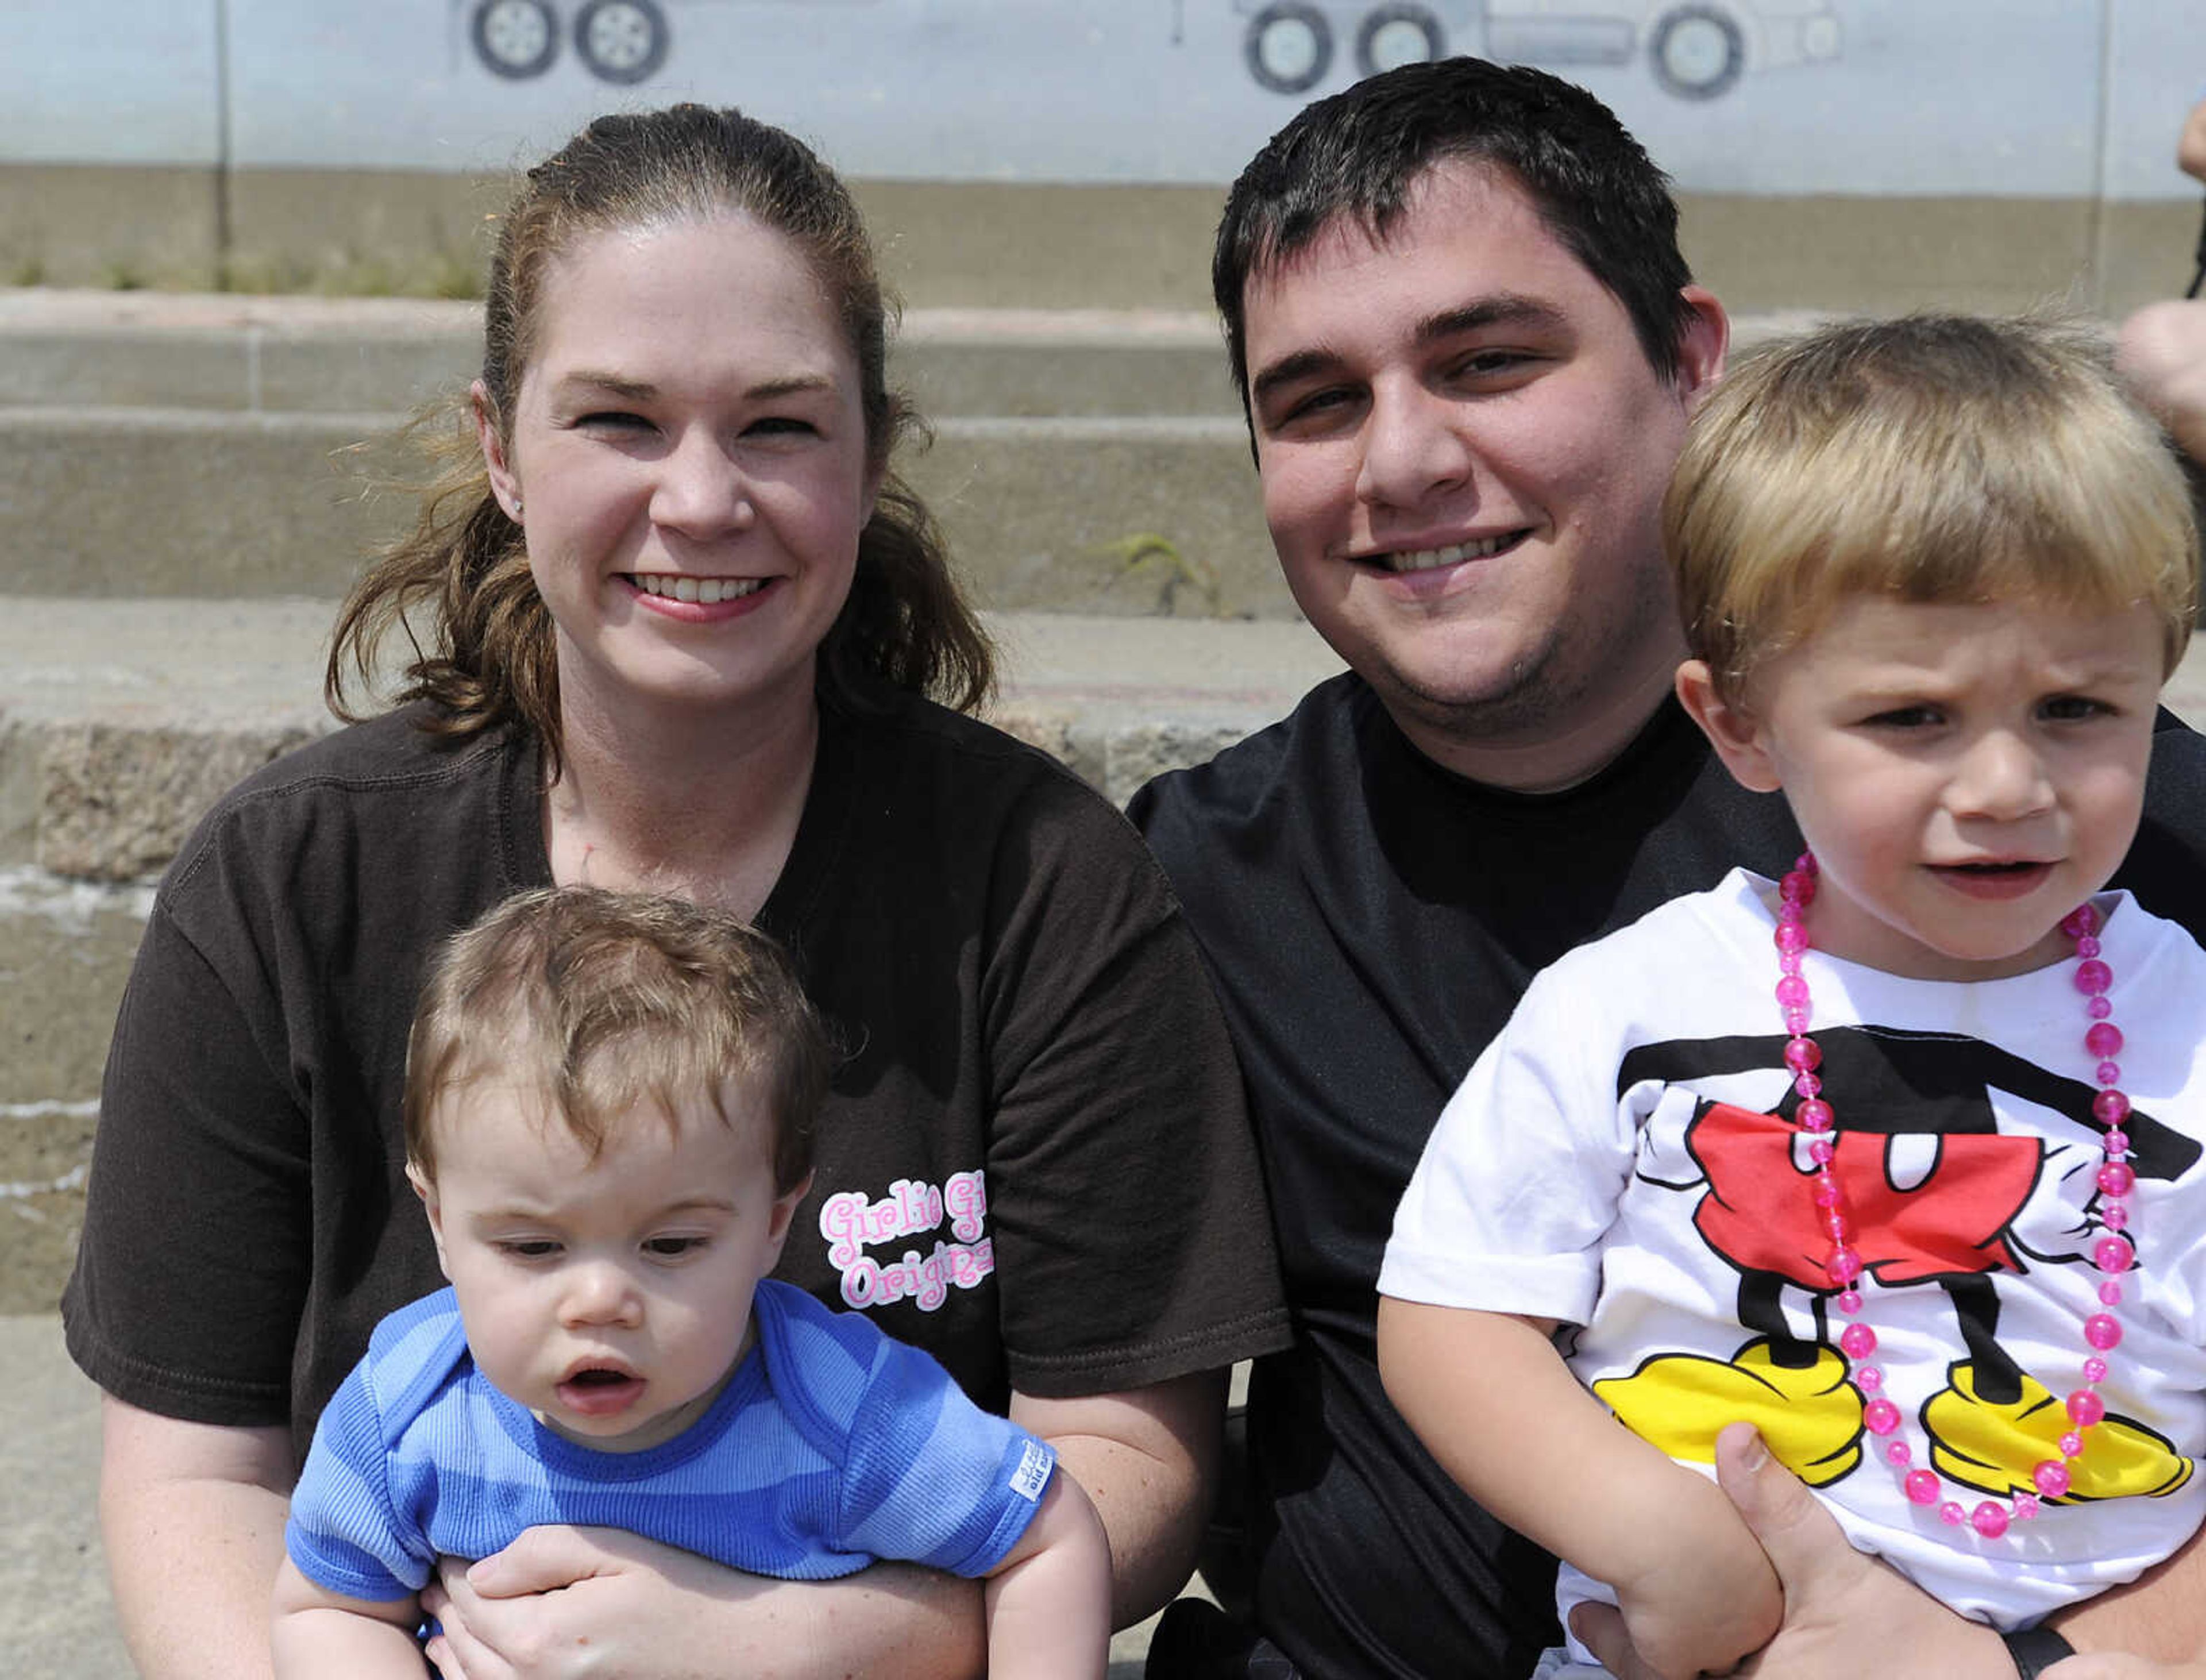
<point>678,620</point>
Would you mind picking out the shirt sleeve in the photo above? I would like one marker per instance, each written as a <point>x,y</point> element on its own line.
<point>1133,1240</point>
<point>1522,1174</point>
<point>344,1532</point>
<point>201,1158</point>
<point>932,1479</point>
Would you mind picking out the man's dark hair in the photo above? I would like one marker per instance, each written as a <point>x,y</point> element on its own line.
<point>1359,152</point>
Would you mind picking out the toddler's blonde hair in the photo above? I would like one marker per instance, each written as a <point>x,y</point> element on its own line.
<point>1945,458</point>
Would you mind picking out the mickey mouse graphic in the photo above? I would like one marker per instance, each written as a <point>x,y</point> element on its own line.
<point>1935,1192</point>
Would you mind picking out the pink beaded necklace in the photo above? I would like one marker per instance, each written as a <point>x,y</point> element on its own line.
<point>2114,1254</point>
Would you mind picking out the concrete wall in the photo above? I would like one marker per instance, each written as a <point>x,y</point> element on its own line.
<point>1845,154</point>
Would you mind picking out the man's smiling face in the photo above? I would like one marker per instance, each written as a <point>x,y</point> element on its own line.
<point>1464,448</point>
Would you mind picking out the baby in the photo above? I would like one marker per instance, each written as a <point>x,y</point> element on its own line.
<point>1898,1158</point>
<point>609,1109</point>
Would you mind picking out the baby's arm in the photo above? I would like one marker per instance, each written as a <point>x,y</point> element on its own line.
<point>1492,1399</point>
<point>318,1633</point>
<point>1049,1600</point>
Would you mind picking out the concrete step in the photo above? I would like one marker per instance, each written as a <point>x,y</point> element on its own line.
<point>1114,515</point>
<point>1087,461</point>
<point>63,348</point>
<point>180,445</point>
<point>120,720</point>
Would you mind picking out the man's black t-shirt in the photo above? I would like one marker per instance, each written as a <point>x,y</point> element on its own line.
<point>1370,920</point>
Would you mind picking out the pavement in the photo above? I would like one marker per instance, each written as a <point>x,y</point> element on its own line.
<point>53,1574</point>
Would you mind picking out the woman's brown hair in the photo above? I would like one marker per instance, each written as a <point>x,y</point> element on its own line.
<point>458,585</point>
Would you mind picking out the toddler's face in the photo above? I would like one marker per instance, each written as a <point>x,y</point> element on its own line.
<point>611,1296</point>
<point>1965,775</point>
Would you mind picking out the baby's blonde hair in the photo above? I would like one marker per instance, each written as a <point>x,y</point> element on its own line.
<point>1945,459</point>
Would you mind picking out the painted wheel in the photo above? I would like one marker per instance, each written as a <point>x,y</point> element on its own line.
<point>1697,51</point>
<point>1289,46</point>
<point>1395,35</point>
<point>621,40</point>
<point>514,39</point>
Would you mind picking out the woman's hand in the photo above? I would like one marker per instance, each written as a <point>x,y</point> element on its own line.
<point>1845,1614</point>
<point>564,1603</point>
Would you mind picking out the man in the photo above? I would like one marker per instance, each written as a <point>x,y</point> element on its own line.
<point>1468,349</point>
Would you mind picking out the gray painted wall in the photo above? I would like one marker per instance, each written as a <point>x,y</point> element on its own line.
<point>1996,97</point>
<point>1849,154</point>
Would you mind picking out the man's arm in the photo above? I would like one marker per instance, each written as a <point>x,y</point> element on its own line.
<point>192,1516</point>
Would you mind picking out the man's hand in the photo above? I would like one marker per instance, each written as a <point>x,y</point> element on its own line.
<point>564,1604</point>
<point>1845,1614</point>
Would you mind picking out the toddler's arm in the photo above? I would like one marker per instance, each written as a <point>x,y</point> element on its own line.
<point>1494,1402</point>
<point>318,1634</point>
<point>1049,1600</point>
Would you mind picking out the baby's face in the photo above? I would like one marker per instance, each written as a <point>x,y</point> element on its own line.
<point>1966,776</point>
<point>610,1296</point>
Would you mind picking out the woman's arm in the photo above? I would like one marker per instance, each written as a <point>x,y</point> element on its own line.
<point>192,1517</point>
<point>1149,1459</point>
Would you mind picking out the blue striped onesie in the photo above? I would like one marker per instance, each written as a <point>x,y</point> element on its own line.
<point>832,1447</point>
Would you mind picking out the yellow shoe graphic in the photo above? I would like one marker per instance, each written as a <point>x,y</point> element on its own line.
<point>1995,1447</point>
<point>1811,1418</point>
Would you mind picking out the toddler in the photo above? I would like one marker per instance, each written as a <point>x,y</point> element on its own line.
<point>609,1106</point>
<point>1896,1158</point>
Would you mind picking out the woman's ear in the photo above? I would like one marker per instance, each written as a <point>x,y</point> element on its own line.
<point>1741,740</point>
<point>502,483</point>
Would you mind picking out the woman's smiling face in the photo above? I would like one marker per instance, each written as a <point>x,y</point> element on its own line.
<point>688,452</point>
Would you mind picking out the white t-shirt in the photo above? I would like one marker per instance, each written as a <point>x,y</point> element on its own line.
<point>1623,1159</point>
